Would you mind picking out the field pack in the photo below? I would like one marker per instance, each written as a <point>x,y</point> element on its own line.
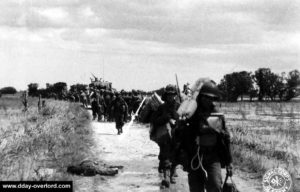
<point>151,105</point>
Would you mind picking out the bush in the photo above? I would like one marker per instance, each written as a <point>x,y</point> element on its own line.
<point>8,90</point>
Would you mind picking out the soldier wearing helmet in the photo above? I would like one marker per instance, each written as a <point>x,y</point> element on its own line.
<point>135,101</point>
<point>119,111</point>
<point>205,140</point>
<point>165,118</point>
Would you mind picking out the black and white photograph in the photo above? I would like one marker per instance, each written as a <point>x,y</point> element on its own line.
<point>150,95</point>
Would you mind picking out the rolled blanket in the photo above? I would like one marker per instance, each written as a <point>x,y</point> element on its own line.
<point>188,107</point>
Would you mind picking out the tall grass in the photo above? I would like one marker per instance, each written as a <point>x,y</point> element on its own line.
<point>40,145</point>
<point>265,136</point>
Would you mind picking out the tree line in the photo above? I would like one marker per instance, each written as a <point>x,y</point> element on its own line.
<point>57,90</point>
<point>263,84</point>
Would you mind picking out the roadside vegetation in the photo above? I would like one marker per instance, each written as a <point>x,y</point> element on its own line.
<point>265,135</point>
<point>39,145</point>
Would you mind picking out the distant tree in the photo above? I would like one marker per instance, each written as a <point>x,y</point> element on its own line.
<point>293,83</point>
<point>8,90</point>
<point>33,89</point>
<point>228,88</point>
<point>44,93</point>
<point>269,84</point>
<point>282,88</point>
<point>60,89</point>
<point>236,84</point>
<point>261,77</point>
<point>48,85</point>
<point>274,83</point>
<point>244,83</point>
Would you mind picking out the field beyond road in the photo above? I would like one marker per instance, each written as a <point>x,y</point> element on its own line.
<point>265,136</point>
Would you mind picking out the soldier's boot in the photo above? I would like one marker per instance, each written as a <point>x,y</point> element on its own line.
<point>174,171</point>
<point>166,181</point>
<point>94,116</point>
<point>173,174</point>
<point>99,117</point>
<point>119,132</point>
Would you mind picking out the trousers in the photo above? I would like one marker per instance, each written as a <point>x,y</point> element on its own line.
<point>165,152</point>
<point>197,181</point>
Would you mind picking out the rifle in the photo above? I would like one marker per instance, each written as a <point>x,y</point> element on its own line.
<point>137,111</point>
<point>178,89</point>
<point>94,76</point>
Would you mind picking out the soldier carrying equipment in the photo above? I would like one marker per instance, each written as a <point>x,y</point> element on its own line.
<point>164,120</point>
<point>203,138</point>
<point>119,110</point>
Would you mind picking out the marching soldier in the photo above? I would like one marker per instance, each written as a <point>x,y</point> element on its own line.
<point>95,104</point>
<point>135,101</point>
<point>166,117</point>
<point>108,102</point>
<point>102,106</point>
<point>206,144</point>
<point>119,111</point>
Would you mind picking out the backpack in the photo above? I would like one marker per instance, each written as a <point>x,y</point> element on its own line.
<point>161,133</point>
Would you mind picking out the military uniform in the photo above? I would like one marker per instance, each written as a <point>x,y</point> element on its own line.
<point>119,110</point>
<point>166,114</point>
<point>206,146</point>
<point>108,101</point>
<point>102,107</point>
<point>95,104</point>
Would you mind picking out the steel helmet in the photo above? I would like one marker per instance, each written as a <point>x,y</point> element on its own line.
<point>209,88</point>
<point>170,90</point>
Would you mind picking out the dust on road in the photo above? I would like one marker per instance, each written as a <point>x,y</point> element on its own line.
<point>138,154</point>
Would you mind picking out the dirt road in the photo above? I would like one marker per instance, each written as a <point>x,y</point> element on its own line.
<point>138,154</point>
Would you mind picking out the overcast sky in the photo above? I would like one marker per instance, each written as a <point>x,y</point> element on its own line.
<point>141,44</point>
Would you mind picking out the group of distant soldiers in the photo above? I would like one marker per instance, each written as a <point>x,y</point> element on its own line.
<point>106,105</point>
<point>113,106</point>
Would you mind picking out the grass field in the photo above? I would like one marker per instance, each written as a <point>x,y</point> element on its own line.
<point>265,135</point>
<point>40,145</point>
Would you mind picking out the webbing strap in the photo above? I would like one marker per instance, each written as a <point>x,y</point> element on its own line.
<point>199,165</point>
